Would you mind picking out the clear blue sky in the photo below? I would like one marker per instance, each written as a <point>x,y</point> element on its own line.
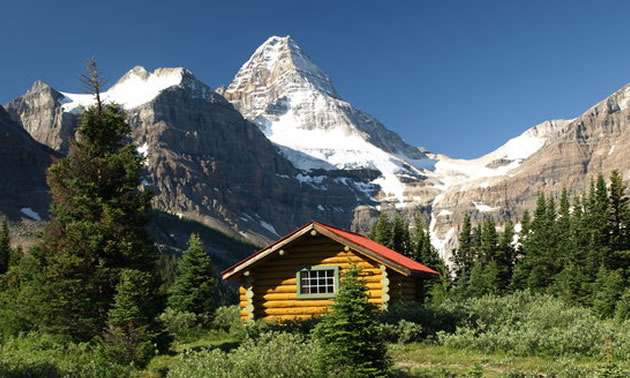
<point>457,77</point>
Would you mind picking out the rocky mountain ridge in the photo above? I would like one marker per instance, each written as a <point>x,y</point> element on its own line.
<point>279,146</point>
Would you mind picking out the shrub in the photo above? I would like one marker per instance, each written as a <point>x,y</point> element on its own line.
<point>431,319</point>
<point>270,355</point>
<point>41,355</point>
<point>403,332</point>
<point>527,324</point>
<point>181,325</point>
<point>227,318</point>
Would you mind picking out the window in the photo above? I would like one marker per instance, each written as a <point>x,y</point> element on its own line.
<point>317,281</point>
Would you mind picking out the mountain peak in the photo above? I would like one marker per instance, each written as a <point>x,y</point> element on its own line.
<point>276,58</point>
<point>139,86</point>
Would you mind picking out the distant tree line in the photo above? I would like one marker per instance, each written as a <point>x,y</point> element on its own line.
<point>575,248</point>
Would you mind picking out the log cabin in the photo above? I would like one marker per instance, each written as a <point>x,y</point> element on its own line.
<point>297,277</point>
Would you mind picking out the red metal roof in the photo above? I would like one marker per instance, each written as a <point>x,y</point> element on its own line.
<point>380,249</point>
<point>364,242</point>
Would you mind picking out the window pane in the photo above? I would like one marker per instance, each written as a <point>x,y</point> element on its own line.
<point>317,281</point>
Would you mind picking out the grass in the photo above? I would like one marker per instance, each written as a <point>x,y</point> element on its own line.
<point>411,360</point>
<point>212,339</point>
<point>427,360</point>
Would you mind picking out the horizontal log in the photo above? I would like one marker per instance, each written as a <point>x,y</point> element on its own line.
<point>301,259</point>
<point>277,281</point>
<point>244,313</point>
<point>280,318</point>
<point>295,303</point>
<point>293,311</point>
<point>276,289</point>
<point>262,271</point>
<point>242,298</point>
<point>293,288</point>
<point>241,290</point>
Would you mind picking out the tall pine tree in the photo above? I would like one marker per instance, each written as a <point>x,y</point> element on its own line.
<point>98,228</point>
<point>5,246</point>
<point>195,286</point>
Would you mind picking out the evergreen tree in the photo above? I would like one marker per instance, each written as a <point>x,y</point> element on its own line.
<point>506,257</point>
<point>463,256</point>
<point>5,246</point>
<point>488,250</point>
<point>565,245</point>
<point>622,311</point>
<point>423,250</point>
<point>484,279</point>
<point>382,231</point>
<point>619,221</point>
<point>607,290</point>
<point>401,240</point>
<point>538,260</point>
<point>98,228</point>
<point>134,333</point>
<point>350,337</point>
<point>195,286</point>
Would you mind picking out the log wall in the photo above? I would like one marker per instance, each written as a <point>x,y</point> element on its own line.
<point>269,292</point>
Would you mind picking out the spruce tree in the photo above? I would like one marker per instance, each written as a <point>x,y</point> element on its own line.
<point>463,256</point>
<point>607,291</point>
<point>619,223</point>
<point>350,339</point>
<point>5,246</point>
<point>488,250</point>
<point>195,286</point>
<point>134,333</point>
<point>98,226</point>
<point>382,232</point>
<point>401,240</point>
<point>622,310</point>
<point>506,257</point>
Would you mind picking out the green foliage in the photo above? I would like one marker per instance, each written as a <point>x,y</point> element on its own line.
<point>227,318</point>
<point>622,311</point>
<point>270,355</point>
<point>349,337</point>
<point>98,228</point>
<point>382,231</point>
<point>134,334</point>
<point>46,356</point>
<point>403,332</point>
<point>525,324</point>
<point>195,286</point>
<point>5,246</point>
<point>607,290</point>
<point>182,325</point>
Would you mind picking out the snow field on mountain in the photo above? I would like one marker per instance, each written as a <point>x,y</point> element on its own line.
<point>137,87</point>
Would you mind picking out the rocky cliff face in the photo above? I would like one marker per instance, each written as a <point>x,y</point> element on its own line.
<point>282,147</point>
<point>205,161</point>
<point>41,114</point>
<point>23,189</point>
<point>554,155</point>
<point>295,104</point>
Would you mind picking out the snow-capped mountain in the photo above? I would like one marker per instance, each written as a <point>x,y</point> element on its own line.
<point>205,161</point>
<point>306,153</point>
<point>137,87</point>
<point>296,106</point>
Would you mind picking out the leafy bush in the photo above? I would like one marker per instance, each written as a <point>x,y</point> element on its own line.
<point>40,355</point>
<point>403,332</point>
<point>226,318</point>
<point>270,355</point>
<point>431,319</point>
<point>527,324</point>
<point>181,325</point>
